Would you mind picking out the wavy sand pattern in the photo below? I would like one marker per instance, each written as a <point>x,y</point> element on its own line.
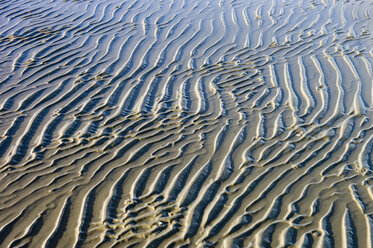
<point>221,123</point>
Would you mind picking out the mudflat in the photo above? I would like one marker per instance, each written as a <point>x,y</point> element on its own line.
<point>176,123</point>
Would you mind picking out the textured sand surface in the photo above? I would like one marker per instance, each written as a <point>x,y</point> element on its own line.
<point>216,123</point>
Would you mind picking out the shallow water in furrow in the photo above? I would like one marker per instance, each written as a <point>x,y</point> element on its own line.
<point>175,123</point>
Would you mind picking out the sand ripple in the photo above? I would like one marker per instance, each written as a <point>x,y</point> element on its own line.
<point>182,123</point>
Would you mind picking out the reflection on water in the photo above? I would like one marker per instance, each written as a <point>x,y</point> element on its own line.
<point>177,123</point>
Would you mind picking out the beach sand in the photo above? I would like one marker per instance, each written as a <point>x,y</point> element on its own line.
<point>176,123</point>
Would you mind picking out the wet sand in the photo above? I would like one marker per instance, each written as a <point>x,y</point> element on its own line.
<point>186,123</point>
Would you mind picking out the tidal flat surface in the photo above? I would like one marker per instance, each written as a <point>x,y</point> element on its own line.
<point>186,123</point>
